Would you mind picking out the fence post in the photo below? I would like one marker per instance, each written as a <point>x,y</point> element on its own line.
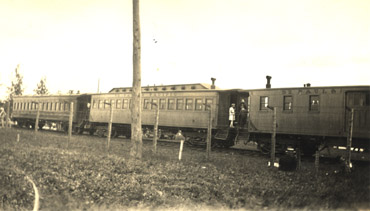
<point>7,114</point>
<point>110,126</point>
<point>273,138</point>
<point>181,138</point>
<point>299,157</point>
<point>155,138</point>
<point>209,132</point>
<point>70,123</point>
<point>317,162</point>
<point>37,117</point>
<point>181,147</point>
<point>2,115</point>
<point>349,141</point>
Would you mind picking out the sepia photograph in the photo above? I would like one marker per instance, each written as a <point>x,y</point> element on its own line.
<point>184,105</point>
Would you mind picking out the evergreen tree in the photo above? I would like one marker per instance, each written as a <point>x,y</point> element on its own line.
<point>16,88</point>
<point>41,87</point>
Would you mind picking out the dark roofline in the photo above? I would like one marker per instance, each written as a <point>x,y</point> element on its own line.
<point>205,85</point>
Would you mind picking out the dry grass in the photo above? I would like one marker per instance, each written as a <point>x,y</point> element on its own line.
<point>85,176</point>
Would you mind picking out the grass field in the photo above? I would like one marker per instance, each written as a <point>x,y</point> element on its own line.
<point>84,176</point>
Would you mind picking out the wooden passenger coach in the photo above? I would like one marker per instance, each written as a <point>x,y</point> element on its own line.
<point>311,115</point>
<point>184,107</point>
<point>193,108</point>
<point>54,109</point>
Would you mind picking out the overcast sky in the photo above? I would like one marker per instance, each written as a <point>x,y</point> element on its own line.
<point>73,43</point>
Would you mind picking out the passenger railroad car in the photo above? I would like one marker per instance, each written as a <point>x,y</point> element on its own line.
<point>181,107</point>
<point>54,109</point>
<point>310,116</point>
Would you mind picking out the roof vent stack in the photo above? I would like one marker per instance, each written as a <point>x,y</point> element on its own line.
<point>268,85</point>
<point>213,86</point>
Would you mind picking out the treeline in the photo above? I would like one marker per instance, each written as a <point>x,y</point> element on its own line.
<point>16,88</point>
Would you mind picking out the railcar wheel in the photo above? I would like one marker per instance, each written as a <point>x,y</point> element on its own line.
<point>191,141</point>
<point>188,141</point>
<point>308,150</point>
<point>288,163</point>
<point>75,130</point>
<point>80,130</point>
<point>20,124</point>
<point>227,144</point>
<point>100,133</point>
<point>214,144</point>
<point>41,126</point>
<point>264,148</point>
<point>65,128</point>
<point>113,133</point>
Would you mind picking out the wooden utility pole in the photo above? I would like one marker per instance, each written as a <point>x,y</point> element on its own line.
<point>136,130</point>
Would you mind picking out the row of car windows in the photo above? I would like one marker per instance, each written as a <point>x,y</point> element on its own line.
<point>198,104</point>
<point>313,105</point>
<point>45,106</point>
